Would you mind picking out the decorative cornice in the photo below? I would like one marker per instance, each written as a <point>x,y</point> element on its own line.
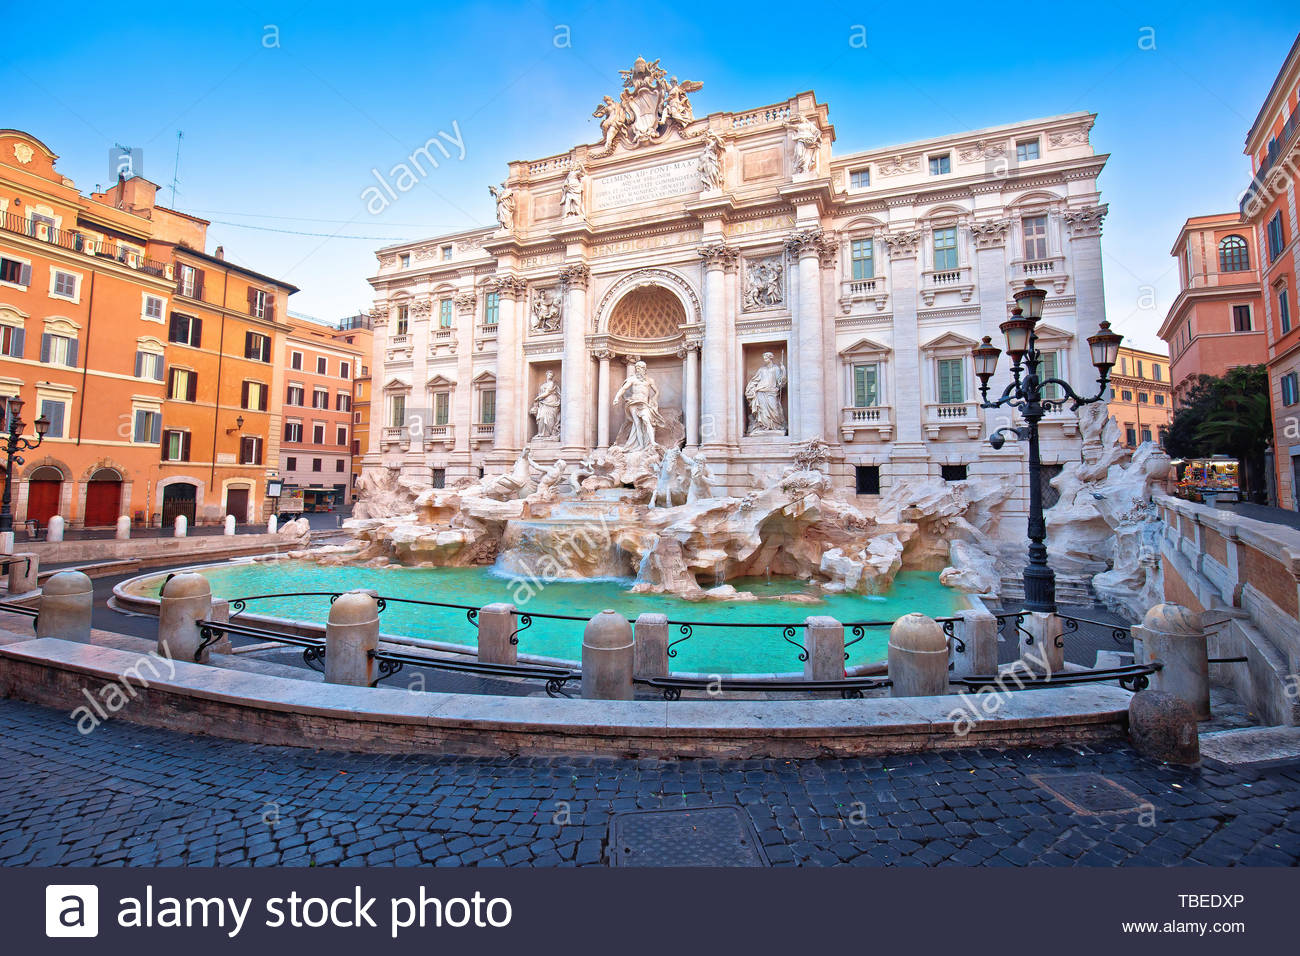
<point>1086,221</point>
<point>420,308</point>
<point>465,302</point>
<point>813,242</point>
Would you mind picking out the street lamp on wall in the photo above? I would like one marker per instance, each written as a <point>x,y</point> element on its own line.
<point>1027,394</point>
<point>239,426</point>
<point>14,445</point>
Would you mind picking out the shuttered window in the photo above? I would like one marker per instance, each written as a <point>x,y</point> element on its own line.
<point>185,330</point>
<point>12,340</point>
<point>441,407</point>
<point>952,387</point>
<point>58,350</point>
<point>257,347</point>
<point>175,445</point>
<point>866,385</point>
<point>54,412</point>
<point>148,427</point>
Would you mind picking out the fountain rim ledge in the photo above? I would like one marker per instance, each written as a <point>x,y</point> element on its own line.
<point>287,711</point>
<point>125,602</point>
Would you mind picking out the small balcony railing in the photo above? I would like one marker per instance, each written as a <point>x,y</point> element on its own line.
<point>940,415</point>
<point>873,290</point>
<point>1050,269</point>
<point>870,423</point>
<point>934,281</point>
<point>86,244</point>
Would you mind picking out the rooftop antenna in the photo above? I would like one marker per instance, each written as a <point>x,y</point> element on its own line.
<point>176,168</point>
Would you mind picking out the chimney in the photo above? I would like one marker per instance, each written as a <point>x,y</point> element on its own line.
<point>220,253</point>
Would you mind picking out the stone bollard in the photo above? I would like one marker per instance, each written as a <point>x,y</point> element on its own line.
<point>1042,648</point>
<point>651,638</point>
<point>608,657</point>
<point>186,598</point>
<point>1163,727</point>
<point>66,603</point>
<point>24,571</point>
<point>918,657</point>
<point>823,639</point>
<point>978,631</point>
<point>496,625</point>
<point>351,638</point>
<point>1173,635</point>
<point>123,532</point>
<point>54,530</point>
<point>230,526</point>
<point>272,524</point>
<point>180,526</point>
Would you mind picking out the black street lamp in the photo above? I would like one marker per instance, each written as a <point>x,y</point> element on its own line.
<point>14,444</point>
<point>1026,394</point>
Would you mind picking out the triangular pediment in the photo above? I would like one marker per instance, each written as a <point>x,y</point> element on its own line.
<point>397,385</point>
<point>950,340</point>
<point>440,381</point>
<point>1050,333</point>
<point>483,377</point>
<point>865,347</point>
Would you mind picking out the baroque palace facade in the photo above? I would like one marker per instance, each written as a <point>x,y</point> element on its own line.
<point>775,291</point>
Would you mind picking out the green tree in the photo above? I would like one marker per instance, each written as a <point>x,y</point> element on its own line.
<point>1226,415</point>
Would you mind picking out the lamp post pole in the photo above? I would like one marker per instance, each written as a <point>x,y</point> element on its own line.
<point>15,444</point>
<point>1028,394</point>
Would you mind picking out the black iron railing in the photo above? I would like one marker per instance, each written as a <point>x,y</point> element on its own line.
<point>849,687</point>
<point>1133,677</point>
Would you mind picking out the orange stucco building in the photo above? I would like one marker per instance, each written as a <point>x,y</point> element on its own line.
<point>153,360</point>
<point>321,368</point>
<point>1141,399</point>
<point>1217,321</point>
<point>1268,208</point>
<point>82,325</point>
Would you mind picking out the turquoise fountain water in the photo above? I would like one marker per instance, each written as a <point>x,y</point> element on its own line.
<point>721,649</point>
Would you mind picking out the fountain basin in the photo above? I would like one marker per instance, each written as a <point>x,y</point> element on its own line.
<point>713,647</point>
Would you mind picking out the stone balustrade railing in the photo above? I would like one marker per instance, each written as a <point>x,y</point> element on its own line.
<point>872,423</point>
<point>1243,576</point>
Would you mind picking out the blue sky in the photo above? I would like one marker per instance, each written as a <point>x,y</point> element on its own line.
<point>287,108</point>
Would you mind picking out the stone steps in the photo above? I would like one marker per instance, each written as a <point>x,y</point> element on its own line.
<point>1251,747</point>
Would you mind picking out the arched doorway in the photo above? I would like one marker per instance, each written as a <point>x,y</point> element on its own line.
<point>44,492</point>
<point>646,326</point>
<point>103,499</point>
<point>180,498</point>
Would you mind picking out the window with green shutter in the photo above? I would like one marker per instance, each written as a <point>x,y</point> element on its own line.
<point>444,313</point>
<point>491,308</point>
<point>488,406</point>
<point>952,387</point>
<point>862,253</point>
<point>1050,367</point>
<point>945,249</point>
<point>397,411</point>
<point>441,407</point>
<point>866,385</point>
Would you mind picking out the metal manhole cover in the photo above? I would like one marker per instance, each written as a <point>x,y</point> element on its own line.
<point>1090,793</point>
<point>709,836</point>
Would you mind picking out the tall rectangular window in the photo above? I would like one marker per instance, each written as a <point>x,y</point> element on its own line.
<point>320,398</point>
<point>257,347</point>
<point>257,300</point>
<point>866,385</point>
<point>322,365</point>
<point>343,402</point>
<point>1035,237</point>
<point>1284,308</point>
<point>250,450</point>
<point>491,308</point>
<point>1289,389</point>
<point>253,396</point>
<point>1276,236</point>
<point>295,361</point>
<point>862,255</point>
<point>11,341</point>
<point>148,427</point>
<point>403,320</point>
<point>58,350</point>
<point>54,411</point>
<point>185,330</point>
<point>945,249</point>
<point>1241,318</point>
<point>182,385</point>
<point>345,370</point>
<point>396,411</point>
<point>444,313</point>
<point>441,407</point>
<point>488,406</point>
<point>318,434</point>
<point>1051,368</point>
<point>952,384</point>
<point>341,435</point>
<point>293,432</point>
<point>294,395</point>
<point>175,445</point>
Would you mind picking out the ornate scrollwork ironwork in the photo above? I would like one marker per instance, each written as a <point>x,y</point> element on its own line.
<point>787,635</point>
<point>472,616</point>
<point>209,634</point>
<point>950,632</point>
<point>380,604</point>
<point>312,656</point>
<point>237,607</point>
<point>1135,683</point>
<point>387,668</point>
<point>526,621</point>
<point>672,693</point>
<point>687,633</point>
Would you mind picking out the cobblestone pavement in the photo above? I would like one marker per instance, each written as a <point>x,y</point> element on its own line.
<point>127,795</point>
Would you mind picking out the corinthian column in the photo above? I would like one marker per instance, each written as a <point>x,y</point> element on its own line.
<point>1084,226</point>
<point>718,258</point>
<point>602,399</point>
<point>573,380</point>
<point>507,435</point>
<point>909,395</point>
<point>809,248</point>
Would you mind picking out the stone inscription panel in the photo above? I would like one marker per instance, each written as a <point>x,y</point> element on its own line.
<point>646,185</point>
